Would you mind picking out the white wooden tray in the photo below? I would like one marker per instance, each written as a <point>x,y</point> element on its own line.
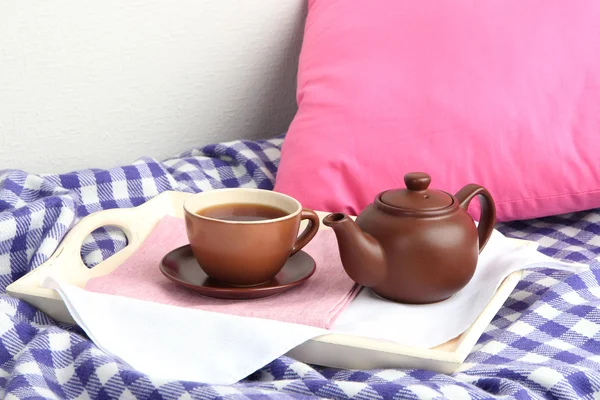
<point>333,350</point>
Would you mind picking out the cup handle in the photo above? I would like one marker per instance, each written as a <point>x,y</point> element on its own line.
<point>309,232</point>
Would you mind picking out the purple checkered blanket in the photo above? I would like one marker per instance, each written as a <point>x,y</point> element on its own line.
<point>543,343</point>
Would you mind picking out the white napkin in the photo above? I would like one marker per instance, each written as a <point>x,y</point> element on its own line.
<point>177,343</point>
<point>430,325</point>
<point>169,342</point>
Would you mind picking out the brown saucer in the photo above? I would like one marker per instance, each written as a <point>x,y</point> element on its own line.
<point>181,267</point>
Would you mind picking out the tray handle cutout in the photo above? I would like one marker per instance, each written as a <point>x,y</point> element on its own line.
<point>102,243</point>
<point>136,223</point>
<point>117,218</point>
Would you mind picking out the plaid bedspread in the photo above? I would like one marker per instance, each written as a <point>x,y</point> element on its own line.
<point>544,342</point>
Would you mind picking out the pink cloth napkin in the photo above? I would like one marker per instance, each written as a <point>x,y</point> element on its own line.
<point>317,302</point>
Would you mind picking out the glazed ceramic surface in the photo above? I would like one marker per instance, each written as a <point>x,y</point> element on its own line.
<point>415,245</point>
<point>246,253</point>
<point>181,267</point>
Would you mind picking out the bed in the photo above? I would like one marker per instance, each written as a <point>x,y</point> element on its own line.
<point>536,346</point>
<point>218,95</point>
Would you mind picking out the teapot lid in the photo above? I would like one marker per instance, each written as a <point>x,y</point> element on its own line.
<point>417,196</point>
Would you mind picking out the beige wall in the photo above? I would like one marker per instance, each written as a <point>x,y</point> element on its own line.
<point>98,84</point>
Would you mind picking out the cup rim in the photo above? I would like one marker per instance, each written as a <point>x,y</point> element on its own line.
<point>254,190</point>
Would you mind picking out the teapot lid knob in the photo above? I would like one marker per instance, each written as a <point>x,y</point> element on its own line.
<point>417,196</point>
<point>417,181</point>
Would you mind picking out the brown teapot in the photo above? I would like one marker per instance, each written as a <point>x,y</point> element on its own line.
<point>415,245</point>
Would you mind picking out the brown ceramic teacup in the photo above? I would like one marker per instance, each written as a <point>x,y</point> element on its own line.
<point>243,237</point>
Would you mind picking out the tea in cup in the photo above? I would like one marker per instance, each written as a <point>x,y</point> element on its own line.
<point>244,237</point>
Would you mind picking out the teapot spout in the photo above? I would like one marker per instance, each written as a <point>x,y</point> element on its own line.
<point>362,256</point>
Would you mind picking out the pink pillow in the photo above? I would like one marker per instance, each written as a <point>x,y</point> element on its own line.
<point>501,93</point>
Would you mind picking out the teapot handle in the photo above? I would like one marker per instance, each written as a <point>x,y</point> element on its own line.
<point>487,220</point>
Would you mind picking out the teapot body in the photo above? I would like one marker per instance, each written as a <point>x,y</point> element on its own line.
<point>428,258</point>
<point>415,245</point>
